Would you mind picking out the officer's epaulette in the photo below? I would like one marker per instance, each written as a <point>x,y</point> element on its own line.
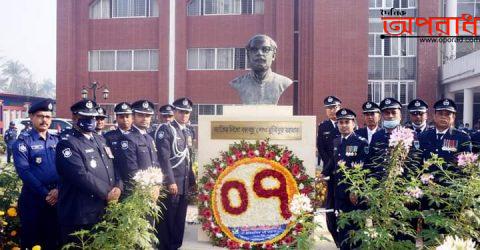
<point>459,131</point>
<point>361,138</point>
<point>23,135</point>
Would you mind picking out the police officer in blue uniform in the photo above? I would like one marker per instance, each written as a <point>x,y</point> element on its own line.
<point>417,110</point>
<point>137,150</point>
<point>101,119</point>
<point>350,148</point>
<point>444,139</point>
<point>88,180</point>
<point>174,142</point>
<point>10,137</point>
<point>123,115</point>
<point>166,115</point>
<point>34,160</point>
<point>378,148</point>
<point>327,131</point>
<point>371,115</point>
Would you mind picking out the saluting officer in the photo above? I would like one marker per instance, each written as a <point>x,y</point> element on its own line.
<point>123,115</point>
<point>327,131</point>
<point>417,109</point>
<point>137,150</point>
<point>87,177</point>
<point>350,148</point>
<point>174,142</point>
<point>34,159</point>
<point>444,139</point>
<point>371,116</point>
<point>100,120</point>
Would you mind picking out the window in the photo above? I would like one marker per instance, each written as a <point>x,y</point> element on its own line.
<point>224,7</point>
<point>403,91</point>
<point>216,58</point>
<point>123,60</point>
<point>205,109</point>
<point>101,9</point>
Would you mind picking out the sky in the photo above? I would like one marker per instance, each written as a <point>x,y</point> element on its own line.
<point>28,35</point>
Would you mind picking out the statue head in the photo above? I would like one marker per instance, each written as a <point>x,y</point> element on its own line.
<point>261,51</point>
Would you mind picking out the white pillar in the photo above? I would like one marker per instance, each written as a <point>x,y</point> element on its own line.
<point>451,47</point>
<point>171,52</point>
<point>468,106</point>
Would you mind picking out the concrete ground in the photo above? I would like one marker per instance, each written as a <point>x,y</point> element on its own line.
<point>190,241</point>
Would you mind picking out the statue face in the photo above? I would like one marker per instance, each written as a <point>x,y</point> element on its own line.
<point>260,54</point>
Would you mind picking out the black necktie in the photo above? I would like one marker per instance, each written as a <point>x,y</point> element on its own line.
<point>418,130</point>
<point>439,136</point>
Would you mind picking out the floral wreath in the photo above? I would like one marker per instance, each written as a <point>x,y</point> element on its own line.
<point>283,166</point>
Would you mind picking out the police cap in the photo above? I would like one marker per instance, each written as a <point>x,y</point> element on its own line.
<point>184,104</point>
<point>370,107</point>
<point>84,107</point>
<point>345,114</point>
<point>390,103</point>
<point>123,108</point>
<point>166,109</point>
<point>445,104</point>
<point>331,101</point>
<point>144,107</point>
<point>44,105</point>
<point>417,105</point>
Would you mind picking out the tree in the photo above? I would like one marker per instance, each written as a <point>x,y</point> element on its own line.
<point>47,89</point>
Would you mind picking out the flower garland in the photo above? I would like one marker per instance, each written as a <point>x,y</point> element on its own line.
<point>248,191</point>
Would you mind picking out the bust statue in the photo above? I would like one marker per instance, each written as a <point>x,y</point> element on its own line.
<point>261,85</point>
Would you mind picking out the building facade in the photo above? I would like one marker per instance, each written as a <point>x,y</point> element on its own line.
<point>164,49</point>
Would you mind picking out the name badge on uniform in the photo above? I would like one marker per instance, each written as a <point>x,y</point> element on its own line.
<point>35,147</point>
<point>109,152</point>
<point>189,141</point>
<point>450,145</point>
<point>124,145</point>
<point>89,150</point>
<point>93,163</point>
<point>326,133</point>
<point>38,160</point>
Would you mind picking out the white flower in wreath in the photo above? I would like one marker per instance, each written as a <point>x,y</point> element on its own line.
<point>256,152</point>
<point>219,235</point>
<point>300,204</point>
<point>456,243</point>
<point>301,186</point>
<point>222,165</point>
<point>234,157</point>
<point>277,158</point>
<point>244,153</point>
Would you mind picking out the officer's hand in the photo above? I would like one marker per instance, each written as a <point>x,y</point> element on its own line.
<point>173,189</point>
<point>155,192</point>
<point>353,199</point>
<point>52,197</point>
<point>114,194</point>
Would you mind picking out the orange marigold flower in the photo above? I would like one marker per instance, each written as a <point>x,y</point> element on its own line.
<point>12,212</point>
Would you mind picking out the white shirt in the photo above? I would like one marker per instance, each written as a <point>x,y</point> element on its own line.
<point>333,123</point>
<point>442,132</point>
<point>370,133</point>
<point>142,131</point>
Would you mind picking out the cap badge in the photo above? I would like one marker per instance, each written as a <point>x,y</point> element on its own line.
<point>124,106</point>
<point>89,105</point>
<point>145,105</point>
<point>417,104</point>
<point>100,110</point>
<point>168,108</point>
<point>185,102</point>
<point>446,103</point>
<point>369,105</point>
<point>344,112</point>
<point>330,99</point>
<point>388,101</point>
<point>50,106</point>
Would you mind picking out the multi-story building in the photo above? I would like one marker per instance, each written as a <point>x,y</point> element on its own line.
<point>164,49</point>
